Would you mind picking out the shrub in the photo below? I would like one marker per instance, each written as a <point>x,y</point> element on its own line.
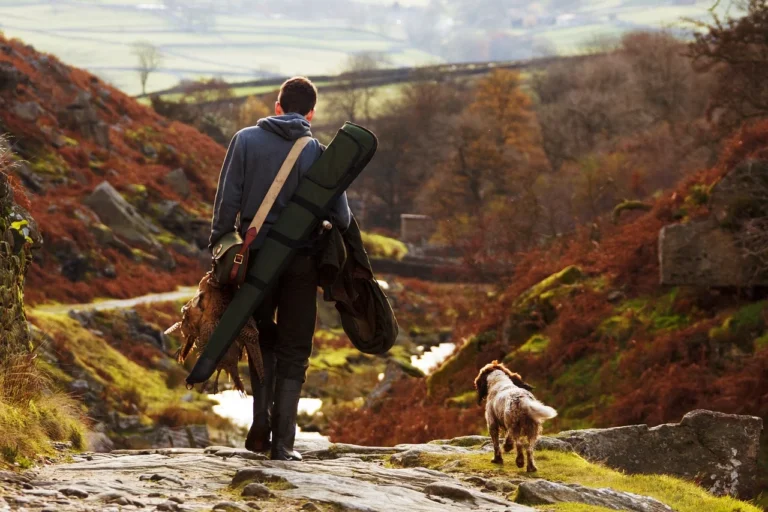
<point>380,246</point>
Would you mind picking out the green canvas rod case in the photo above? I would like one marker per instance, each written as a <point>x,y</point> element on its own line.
<point>325,181</point>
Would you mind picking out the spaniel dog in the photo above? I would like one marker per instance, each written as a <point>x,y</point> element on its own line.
<point>511,406</point>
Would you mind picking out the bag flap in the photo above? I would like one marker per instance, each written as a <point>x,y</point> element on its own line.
<point>226,243</point>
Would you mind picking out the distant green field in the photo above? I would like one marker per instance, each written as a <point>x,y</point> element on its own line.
<point>98,35</point>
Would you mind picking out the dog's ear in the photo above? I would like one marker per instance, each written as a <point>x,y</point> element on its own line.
<point>519,382</point>
<point>481,385</point>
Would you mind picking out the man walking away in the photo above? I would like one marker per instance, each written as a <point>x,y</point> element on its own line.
<point>253,159</point>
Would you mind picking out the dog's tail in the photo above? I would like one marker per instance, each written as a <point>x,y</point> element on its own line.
<point>539,411</point>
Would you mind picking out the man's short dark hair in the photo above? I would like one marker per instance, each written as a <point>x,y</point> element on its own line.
<point>298,95</point>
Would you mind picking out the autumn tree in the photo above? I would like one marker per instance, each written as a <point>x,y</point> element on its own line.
<point>252,110</point>
<point>482,191</point>
<point>149,59</point>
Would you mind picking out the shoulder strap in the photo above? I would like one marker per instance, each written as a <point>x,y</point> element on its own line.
<point>277,186</point>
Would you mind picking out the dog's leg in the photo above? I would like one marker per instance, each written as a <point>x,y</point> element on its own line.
<point>520,460</point>
<point>531,462</point>
<point>509,443</point>
<point>493,428</point>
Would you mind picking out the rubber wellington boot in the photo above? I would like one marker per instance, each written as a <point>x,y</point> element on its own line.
<point>263,394</point>
<point>287,394</point>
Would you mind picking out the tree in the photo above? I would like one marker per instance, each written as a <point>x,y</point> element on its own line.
<point>482,193</point>
<point>149,58</point>
<point>414,136</point>
<point>354,95</point>
<point>252,110</point>
<point>736,49</point>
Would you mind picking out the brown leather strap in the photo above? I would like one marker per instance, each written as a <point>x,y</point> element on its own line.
<point>267,203</point>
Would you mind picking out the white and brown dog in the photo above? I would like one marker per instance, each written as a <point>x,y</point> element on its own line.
<point>511,406</point>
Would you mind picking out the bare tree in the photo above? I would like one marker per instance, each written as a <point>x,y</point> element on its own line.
<point>354,99</point>
<point>149,60</point>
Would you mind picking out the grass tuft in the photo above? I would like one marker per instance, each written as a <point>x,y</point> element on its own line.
<point>33,413</point>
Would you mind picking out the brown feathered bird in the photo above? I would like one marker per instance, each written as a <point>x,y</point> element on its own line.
<point>199,318</point>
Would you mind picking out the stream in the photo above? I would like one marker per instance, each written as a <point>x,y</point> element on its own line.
<point>238,408</point>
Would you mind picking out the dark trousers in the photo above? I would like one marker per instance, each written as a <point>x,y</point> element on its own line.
<point>289,338</point>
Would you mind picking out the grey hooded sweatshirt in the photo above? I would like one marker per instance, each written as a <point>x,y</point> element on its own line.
<point>253,159</point>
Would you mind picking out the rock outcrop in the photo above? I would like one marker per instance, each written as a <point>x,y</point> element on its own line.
<point>114,211</point>
<point>717,450</point>
<point>712,252</point>
<point>701,254</point>
<point>82,116</point>
<point>543,492</point>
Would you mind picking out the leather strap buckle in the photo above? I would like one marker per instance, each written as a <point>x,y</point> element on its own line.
<point>239,258</point>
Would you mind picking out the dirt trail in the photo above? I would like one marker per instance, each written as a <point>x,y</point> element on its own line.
<point>181,293</point>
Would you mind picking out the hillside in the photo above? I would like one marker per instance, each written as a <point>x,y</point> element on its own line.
<point>70,133</point>
<point>587,323</point>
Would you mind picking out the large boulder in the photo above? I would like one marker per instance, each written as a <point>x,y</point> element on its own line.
<point>178,182</point>
<point>717,450</point>
<point>114,211</point>
<point>716,252</point>
<point>702,254</point>
<point>28,111</point>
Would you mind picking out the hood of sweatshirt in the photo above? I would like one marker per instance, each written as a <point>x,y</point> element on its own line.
<point>288,126</point>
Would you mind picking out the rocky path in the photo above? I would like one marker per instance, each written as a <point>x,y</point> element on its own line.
<point>184,292</point>
<point>342,477</point>
<point>332,478</point>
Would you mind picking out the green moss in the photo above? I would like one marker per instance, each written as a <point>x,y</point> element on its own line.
<point>575,507</point>
<point>380,246</point>
<point>680,495</point>
<point>337,358</point>
<point>535,344</point>
<point>49,163</point>
<point>750,317</point>
<point>463,401</point>
<point>761,342</point>
<point>629,206</point>
<point>569,275</point>
<point>618,327</point>
<point>167,238</point>
<point>655,314</point>
<point>698,195</point>
<point>742,327</point>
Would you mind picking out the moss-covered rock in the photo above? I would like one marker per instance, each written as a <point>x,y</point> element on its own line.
<point>535,344</point>
<point>465,357</point>
<point>537,307</point>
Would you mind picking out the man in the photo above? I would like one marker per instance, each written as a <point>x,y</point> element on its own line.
<point>253,159</point>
